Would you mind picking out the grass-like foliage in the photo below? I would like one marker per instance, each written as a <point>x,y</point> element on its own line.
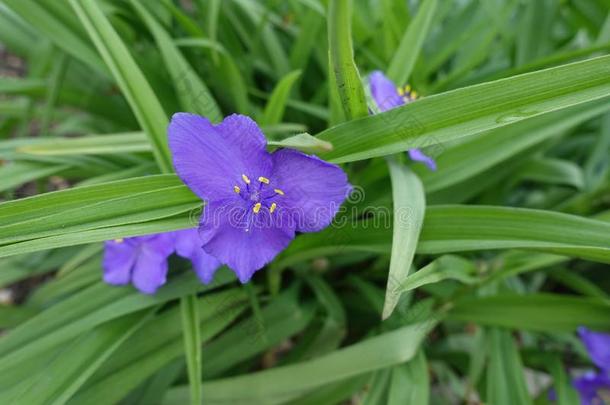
<point>460,285</point>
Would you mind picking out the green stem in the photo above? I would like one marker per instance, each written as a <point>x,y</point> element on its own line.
<point>192,345</point>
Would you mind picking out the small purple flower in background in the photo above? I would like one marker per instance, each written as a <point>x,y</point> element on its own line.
<point>594,387</point>
<point>256,200</point>
<point>142,260</point>
<point>387,96</point>
<point>188,245</point>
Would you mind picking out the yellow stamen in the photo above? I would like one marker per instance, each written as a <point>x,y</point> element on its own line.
<point>119,240</point>
<point>245,178</point>
<point>408,88</point>
<point>256,208</point>
<point>413,94</point>
<point>272,208</point>
<point>401,91</point>
<point>263,180</point>
<point>278,191</point>
<point>236,189</point>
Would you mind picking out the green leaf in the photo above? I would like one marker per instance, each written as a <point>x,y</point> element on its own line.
<point>310,27</point>
<point>274,110</point>
<point>191,333</point>
<point>459,228</point>
<point>227,72</point>
<point>73,366</point>
<point>12,316</point>
<point>88,145</point>
<point>406,55</point>
<point>566,394</point>
<point>282,383</point>
<point>92,207</point>
<point>41,17</point>
<point>465,228</point>
<point>536,312</point>
<point>377,394</point>
<point>156,345</point>
<point>409,207</point>
<point>128,76</point>
<point>341,55</point>
<point>505,377</point>
<point>552,171</point>
<point>80,237</point>
<point>447,267</point>
<point>85,310</point>
<point>410,383</point>
<point>303,142</point>
<point>334,393</point>
<point>469,111</point>
<point>280,319</point>
<point>17,173</point>
<point>488,150</point>
<point>192,92</point>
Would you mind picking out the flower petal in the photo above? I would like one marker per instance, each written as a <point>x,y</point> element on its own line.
<point>188,245</point>
<point>419,156</point>
<point>211,159</point>
<point>242,240</point>
<point>598,346</point>
<point>119,259</point>
<point>313,189</point>
<point>150,271</point>
<point>590,386</point>
<point>384,92</point>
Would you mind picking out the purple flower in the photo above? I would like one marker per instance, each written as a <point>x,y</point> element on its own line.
<point>387,96</point>
<point>142,260</point>
<point>188,245</point>
<point>256,200</point>
<point>598,346</point>
<point>594,388</point>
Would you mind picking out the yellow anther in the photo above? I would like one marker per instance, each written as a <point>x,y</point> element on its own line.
<point>278,191</point>
<point>256,208</point>
<point>272,208</point>
<point>408,88</point>
<point>245,178</point>
<point>263,180</point>
<point>119,240</point>
<point>236,189</point>
<point>413,94</point>
<point>401,91</point>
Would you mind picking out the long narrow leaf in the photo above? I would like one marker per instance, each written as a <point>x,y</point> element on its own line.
<point>409,208</point>
<point>469,111</point>
<point>129,77</point>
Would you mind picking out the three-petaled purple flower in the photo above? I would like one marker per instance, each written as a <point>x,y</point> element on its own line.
<point>594,387</point>
<point>256,200</point>
<point>142,260</point>
<point>387,96</point>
